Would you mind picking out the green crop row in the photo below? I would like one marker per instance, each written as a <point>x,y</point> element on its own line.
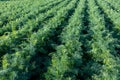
<point>59,40</point>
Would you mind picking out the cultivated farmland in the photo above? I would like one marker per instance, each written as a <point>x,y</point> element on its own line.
<point>59,39</point>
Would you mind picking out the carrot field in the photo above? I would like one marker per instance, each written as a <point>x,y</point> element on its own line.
<point>59,39</point>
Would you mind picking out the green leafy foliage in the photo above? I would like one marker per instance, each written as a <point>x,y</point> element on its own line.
<point>59,40</point>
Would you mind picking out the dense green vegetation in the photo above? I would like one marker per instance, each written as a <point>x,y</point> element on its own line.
<point>59,40</point>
